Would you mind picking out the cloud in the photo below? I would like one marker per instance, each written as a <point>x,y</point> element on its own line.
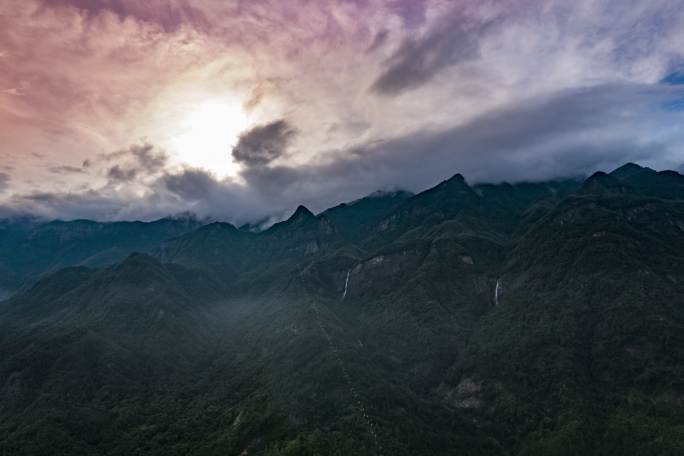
<point>89,204</point>
<point>412,12</point>
<point>418,60</point>
<point>144,156</point>
<point>169,14</point>
<point>564,134</point>
<point>66,170</point>
<point>378,41</point>
<point>4,181</point>
<point>149,158</point>
<point>263,144</point>
<point>118,174</point>
<point>15,91</point>
<point>514,89</point>
<point>138,161</point>
<point>571,132</point>
<point>190,185</point>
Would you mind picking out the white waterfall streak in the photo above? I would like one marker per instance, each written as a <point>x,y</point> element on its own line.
<point>346,285</point>
<point>496,293</point>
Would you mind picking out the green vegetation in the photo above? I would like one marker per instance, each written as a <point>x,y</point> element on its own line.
<point>530,319</point>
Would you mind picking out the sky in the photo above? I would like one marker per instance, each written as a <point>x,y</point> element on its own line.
<point>240,110</point>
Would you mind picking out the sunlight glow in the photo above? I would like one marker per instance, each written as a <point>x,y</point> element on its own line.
<point>208,133</point>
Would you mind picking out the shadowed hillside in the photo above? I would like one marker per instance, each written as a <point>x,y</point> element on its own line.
<point>528,319</point>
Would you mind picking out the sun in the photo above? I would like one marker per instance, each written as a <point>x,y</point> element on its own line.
<point>207,134</point>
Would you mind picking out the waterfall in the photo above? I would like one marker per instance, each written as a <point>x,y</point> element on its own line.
<point>496,293</point>
<point>346,284</point>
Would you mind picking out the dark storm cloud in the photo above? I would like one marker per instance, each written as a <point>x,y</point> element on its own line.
<point>190,185</point>
<point>263,144</point>
<point>119,174</point>
<point>567,134</point>
<point>418,60</point>
<point>201,193</point>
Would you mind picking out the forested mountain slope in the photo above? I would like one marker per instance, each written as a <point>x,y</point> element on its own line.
<point>31,248</point>
<point>528,319</point>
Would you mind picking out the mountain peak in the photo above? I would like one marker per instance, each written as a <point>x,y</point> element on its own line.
<point>628,166</point>
<point>458,177</point>
<point>455,185</point>
<point>628,170</point>
<point>457,181</point>
<point>301,212</point>
<point>600,182</point>
<point>301,216</point>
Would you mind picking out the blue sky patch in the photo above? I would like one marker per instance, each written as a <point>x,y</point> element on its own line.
<point>675,78</point>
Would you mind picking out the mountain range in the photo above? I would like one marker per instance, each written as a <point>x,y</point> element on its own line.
<point>493,319</point>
